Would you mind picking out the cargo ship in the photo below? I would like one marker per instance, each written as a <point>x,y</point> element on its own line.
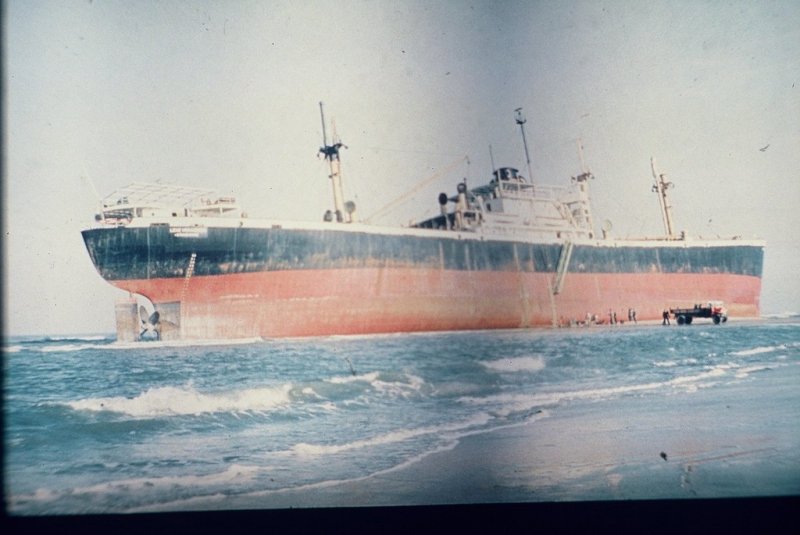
<point>510,253</point>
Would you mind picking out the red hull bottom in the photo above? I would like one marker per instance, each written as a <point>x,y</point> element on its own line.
<point>386,300</point>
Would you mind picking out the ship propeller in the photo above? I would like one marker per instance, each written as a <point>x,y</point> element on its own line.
<point>153,325</point>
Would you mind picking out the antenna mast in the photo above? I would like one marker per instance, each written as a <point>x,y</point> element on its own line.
<point>661,186</point>
<point>583,187</point>
<point>521,122</point>
<point>331,153</point>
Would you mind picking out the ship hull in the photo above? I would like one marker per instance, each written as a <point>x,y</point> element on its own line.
<point>279,282</point>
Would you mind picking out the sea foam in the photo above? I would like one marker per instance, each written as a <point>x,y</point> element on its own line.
<point>186,400</point>
<point>517,364</point>
<point>399,435</point>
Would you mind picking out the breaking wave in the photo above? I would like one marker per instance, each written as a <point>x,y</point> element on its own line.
<point>392,437</point>
<point>673,363</point>
<point>401,385</point>
<point>74,344</point>
<point>518,364</point>
<point>765,349</point>
<point>148,488</point>
<point>89,338</point>
<point>186,400</point>
<point>513,403</point>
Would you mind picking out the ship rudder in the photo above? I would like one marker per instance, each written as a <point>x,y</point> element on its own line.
<point>126,312</point>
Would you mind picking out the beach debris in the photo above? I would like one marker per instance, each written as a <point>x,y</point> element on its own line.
<point>663,455</point>
<point>352,370</point>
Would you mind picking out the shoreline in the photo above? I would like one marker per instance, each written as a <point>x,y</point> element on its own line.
<point>713,443</point>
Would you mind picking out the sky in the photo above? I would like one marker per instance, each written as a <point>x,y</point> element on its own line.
<point>225,95</point>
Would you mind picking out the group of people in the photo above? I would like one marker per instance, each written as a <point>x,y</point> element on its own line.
<point>612,316</point>
<point>594,319</point>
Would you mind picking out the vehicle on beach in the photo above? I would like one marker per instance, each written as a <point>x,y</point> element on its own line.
<point>713,309</point>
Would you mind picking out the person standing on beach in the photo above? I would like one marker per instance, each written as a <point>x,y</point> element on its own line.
<point>665,316</point>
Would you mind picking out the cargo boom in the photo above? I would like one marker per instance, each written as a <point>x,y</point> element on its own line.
<point>507,254</point>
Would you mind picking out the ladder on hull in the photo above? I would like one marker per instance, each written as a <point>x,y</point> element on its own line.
<point>558,283</point>
<point>563,266</point>
<point>188,276</point>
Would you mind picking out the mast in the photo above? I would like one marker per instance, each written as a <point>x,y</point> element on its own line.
<point>583,188</point>
<point>331,153</point>
<point>660,187</point>
<point>521,122</point>
<point>584,169</point>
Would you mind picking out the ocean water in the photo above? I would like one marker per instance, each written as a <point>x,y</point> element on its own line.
<point>95,426</point>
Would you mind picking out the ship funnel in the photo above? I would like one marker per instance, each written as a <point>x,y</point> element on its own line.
<point>461,204</point>
<point>350,208</point>
<point>443,207</point>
